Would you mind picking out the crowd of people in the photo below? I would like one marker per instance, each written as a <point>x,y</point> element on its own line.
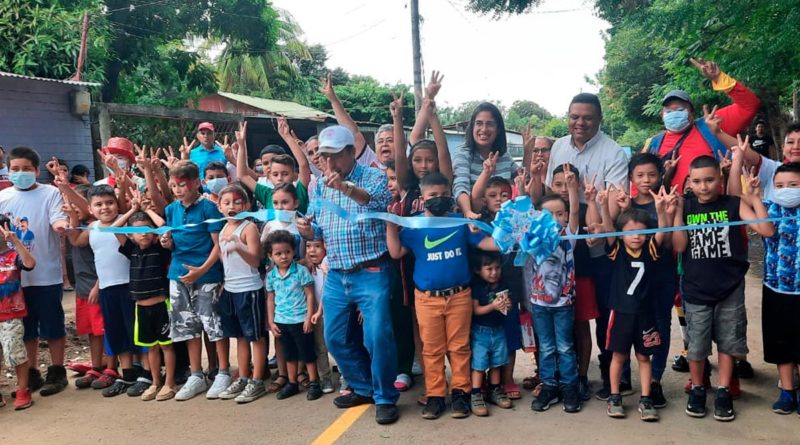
<point>389,302</point>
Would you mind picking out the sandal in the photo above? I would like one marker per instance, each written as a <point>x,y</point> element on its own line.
<point>165,393</point>
<point>303,380</point>
<point>512,391</point>
<point>80,368</point>
<point>276,386</point>
<point>530,382</point>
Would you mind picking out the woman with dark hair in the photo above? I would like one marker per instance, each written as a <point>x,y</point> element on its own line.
<point>79,175</point>
<point>486,134</point>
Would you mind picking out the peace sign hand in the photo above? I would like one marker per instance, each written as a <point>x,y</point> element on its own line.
<point>712,120</point>
<point>621,197</point>
<point>141,157</point>
<point>327,87</point>
<point>283,128</point>
<point>490,163</point>
<point>709,69</point>
<point>396,106</point>
<point>185,149</point>
<point>739,151</point>
<point>589,189</point>
<point>241,134</point>
<point>753,189</point>
<point>8,235</point>
<point>671,163</point>
<point>434,85</point>
<point>570,178</point>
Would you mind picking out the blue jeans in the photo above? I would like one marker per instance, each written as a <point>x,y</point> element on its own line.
<point>369,374</point>
<point>553,326</point>
<point>664,301</point>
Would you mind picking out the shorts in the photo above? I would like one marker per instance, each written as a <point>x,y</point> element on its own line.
<point>152,325</point>
<point>725,323</point>
<point>585,299</point>
<point>637,330</point>
<point>11,344</point>
<point>780,314</point>
<point>297,345</point>
<point>88,317</point>
<point>45,317</point>
<point>489,348</point>
<point>119,313</point>
<point>242,314</point>
<point>192,311</point>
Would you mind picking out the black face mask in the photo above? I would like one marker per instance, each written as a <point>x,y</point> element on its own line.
<point>439,205</point>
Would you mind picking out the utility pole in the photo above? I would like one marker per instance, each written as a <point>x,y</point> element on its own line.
<point>82,52</point>
<point>417,54</point>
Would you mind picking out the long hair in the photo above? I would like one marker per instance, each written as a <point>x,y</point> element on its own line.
<point>499,145</point>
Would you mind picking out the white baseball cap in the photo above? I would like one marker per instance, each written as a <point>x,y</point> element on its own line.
<point>334,139</point>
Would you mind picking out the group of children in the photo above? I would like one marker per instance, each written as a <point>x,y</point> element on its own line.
<point>151,297</point>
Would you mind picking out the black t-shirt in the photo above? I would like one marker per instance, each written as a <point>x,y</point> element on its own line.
<point>485,293</point>
<point>715,260</point>
<point>580,253</point>
<point>148,270</point>
<point>761,144</point>
<point>666,268</point>
<point>632,277</point>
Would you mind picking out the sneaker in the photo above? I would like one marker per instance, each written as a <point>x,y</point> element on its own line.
<point>679,363</point>
<point>402,382</point>
<point>584,390</point>
<point>625,388</point>
<point>459,401</point>
<point>106,379</point>
<point>194,385</point>
<point>141,385</point>
<point>572,400</point>
<point>477,405</point>
<point>614,406</point>
<point>723,406</point>
<point>687,388</point>
<point>314,391</point>
<point>327,385</point>
<point>416,367</point>
<point>434,408</point>
<point>498,397</point>
<point>547,396</point>
<point>351,400</point>
<point>253,390</point>
<point>55,381</point>
<point>234,389</point>
<point>86,380</point>
<point>149,393</point>
<point>604,392</point>
<point>648,410</point>
<point>735,388</point>
<point>786,403</point>
<point>386,413</point>
<point>118,387</point>
<point>23,399</point>
<point>743,369</point>
<point>288,390</point>
<point>657,395</point>
<point>35,381</point>
<point>696,406</point>
<point>221,383</point>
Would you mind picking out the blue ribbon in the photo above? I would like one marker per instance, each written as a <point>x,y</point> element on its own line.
<point>262,216</point>
<point>518,223</point>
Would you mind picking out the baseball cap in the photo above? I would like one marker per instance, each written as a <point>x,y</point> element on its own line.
<point>334,139</point>
<point>205,126</point>
<point>676,94</point>
<point>120,146</point>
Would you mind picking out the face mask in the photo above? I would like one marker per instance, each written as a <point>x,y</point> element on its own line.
<point>788,197</point>
<point>22,180</point>
<point>440,205</point>
<point>216,185</point>
<point>259,169</point>
<point>285,216</point>
<point>676,121</point>
<point>122,162</point>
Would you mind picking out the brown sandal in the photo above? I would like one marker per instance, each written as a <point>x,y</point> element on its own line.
<point>276,386</point>
<point>303,380</point>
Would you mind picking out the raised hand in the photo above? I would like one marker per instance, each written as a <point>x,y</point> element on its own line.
<point>709,69</point>
<point>712,120</point>
<point>434,85</point>
<point>111,162</point>
<point>528,138</point>
<point>327,87</point>
<point>53,166</point>
<point>283,128</point>
<point>739,151</point>
<point>602,196</point>
<point>570,178</point>
<point>241,134</point>
<point>396,106</point>
<point>589,189</point>
<point>671,163</point>
<point>186,149</point>
<point>8,235</point>
<point>141,157</point>
<point>171,159</point>
<point>753,189</point>
<point>155,158</point>
<point>660,199</point>
<point>673,201</point>
<point>334,181</point>
<point>726,161</point>
<point>490,163</point>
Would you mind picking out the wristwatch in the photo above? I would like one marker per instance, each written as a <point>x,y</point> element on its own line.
<point>348,188</point>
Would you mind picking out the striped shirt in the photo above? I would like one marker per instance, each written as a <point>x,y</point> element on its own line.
<point>347,244</point>
<point>468,165</point>
<point>148,273</point>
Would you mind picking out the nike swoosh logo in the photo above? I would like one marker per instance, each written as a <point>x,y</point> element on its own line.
<point>434,243</point>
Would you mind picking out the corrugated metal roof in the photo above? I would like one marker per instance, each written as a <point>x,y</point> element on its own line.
<point>278,107</point>
<point>44,79</point>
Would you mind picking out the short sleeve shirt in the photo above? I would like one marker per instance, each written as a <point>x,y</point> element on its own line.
<point>290,296</point>
<point>485,293</point>
<point>552,283</point>
<point>782,251</point>
<point>263,195</point>
<point>12,302</point>
<point>148,277</point>
<point>631,276</point>
<point>202,156</point>
<point>192,246</point>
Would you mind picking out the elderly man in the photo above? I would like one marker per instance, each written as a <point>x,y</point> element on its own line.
<point>359,273</point>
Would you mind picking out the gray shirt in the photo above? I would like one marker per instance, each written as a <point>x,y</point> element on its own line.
<point>85,275</point>
<point>468,165</point>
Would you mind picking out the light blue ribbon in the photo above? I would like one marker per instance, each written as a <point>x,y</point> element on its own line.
<point>262,216</point>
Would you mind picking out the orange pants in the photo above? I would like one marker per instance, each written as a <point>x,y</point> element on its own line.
<point>444,326</point>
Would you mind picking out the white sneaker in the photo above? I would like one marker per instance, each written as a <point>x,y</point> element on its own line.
<point>234,389</point>
<point>221,383</point>
<point>253,391</point>
<point>327,385</point>
<point>193,386</point>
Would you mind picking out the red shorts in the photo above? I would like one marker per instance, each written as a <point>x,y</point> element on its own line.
<point>585,299</point>
<point>88,317</point>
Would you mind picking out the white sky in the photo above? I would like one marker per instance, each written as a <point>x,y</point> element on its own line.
<point>538,56</point>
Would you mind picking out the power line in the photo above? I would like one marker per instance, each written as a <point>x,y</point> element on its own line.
<point>133,6</point>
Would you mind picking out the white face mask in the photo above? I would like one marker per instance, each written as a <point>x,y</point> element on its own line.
<point>122,162</point>
<point>788,197</point>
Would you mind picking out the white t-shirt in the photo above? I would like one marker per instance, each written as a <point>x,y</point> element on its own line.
<point>32,212</point>
<point>765,175</point>
<point>113,268</point>
<point>369,158</point>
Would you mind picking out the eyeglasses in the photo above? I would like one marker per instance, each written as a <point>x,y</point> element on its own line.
<point>539,151</point>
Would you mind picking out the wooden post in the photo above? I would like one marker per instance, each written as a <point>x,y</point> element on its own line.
<point>417,55</point>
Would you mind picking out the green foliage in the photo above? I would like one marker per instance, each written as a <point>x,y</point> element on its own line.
<point>636,137</point>
<point>556,127</point>
<point>368,101</point>
<point>524,113</point>
<point>500,7</point>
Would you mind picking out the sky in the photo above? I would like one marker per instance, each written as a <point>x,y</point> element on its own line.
<point>544,55</point>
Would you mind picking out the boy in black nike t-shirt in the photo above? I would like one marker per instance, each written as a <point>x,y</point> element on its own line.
<point>715,262</point>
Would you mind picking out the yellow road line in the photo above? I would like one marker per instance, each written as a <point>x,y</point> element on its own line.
<point>340,425</point>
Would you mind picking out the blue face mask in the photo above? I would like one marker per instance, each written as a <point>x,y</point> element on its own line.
<point>285,216</point>
<point>22,180</point>
<point>788,197</point>
<point>676,121</point>
<point>216,185</point>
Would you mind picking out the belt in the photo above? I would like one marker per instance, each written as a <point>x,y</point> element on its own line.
<point>367,264</point>
<point>444,292</point>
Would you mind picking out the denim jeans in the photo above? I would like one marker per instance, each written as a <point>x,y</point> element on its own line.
<point>371,372</point>
<point>553,326</point>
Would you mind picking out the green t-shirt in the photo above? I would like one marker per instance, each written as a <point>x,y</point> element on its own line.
<point>263,195</point>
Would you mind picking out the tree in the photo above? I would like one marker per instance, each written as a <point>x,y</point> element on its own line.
<point>500,7</point>
<point>524,113</point>
<point>367,100</point>
<point>556,127</point>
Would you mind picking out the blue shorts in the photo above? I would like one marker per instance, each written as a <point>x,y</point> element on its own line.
<point>119,311</point>
<point>489,349</point>
<point>45,314</point>
<point>242,314</point>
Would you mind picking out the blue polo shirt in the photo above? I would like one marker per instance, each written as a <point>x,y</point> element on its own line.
<point>291,306</point>
<point>441,255</point>
<point>192,246</point>
<point>201,156</point>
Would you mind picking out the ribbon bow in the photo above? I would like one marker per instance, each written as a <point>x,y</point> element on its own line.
<point>518,223</point>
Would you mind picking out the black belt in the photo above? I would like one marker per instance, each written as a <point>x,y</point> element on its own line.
<point>367,264</point>
<point>444,292</point>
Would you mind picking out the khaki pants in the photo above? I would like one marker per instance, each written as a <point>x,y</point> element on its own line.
<point>444,326</point>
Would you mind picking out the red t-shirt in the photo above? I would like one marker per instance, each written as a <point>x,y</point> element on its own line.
<point>12,302</point>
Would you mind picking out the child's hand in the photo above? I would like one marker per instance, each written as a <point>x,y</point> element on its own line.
<point>660,199</point>
<point>570,178</point>
<point>499,304</point>
<point>8,235</point>
<point>519,181</point>
<point>166,240</point>
<point>53,166</point>
<point>186,148</point>
<point>171,159</point>
<point>712,120</point>
<point>193,275</point>
<point>307,326</point>
<point>315,318</point>
<point>434,85</point>
<point>739,151</point>
<point>726,162</point>
<point>283,128</point>
<point>141,157</point>
<point>241,134</point>
<point>396,106</point>
<point>94,296</point>
<point>589,190</point>
<point>753,190</point>
<point>490,163</point>
<point>602,197</point>
<point>276,331</point>
<point>621,198</point>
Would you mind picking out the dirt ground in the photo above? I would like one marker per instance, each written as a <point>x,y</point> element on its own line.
<point>83,417</point>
